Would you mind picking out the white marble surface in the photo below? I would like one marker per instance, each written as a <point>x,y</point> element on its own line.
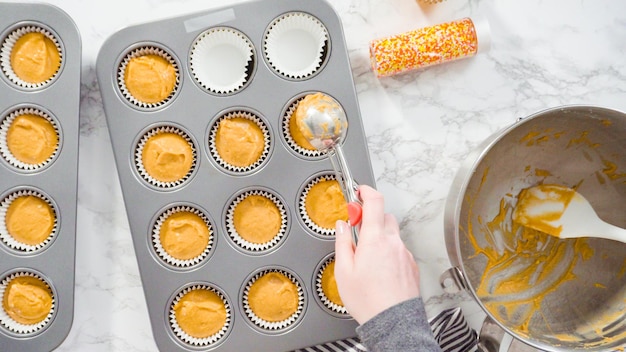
<point>419,127</point>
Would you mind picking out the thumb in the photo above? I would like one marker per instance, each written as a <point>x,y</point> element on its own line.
<point>344,249</point>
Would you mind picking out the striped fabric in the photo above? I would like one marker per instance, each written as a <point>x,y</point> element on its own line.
<point>449,327</point>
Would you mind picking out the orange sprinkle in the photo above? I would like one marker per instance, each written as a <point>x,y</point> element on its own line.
<point>424,47</point>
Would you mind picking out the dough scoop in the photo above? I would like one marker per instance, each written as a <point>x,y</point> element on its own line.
<point>562,212</point>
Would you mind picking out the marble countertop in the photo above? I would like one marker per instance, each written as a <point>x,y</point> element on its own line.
<point>419,126</point>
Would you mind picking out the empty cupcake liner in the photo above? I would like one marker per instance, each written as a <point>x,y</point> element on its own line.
<point>296,44</point>
<point>7,48</point>
<point>4,148</point>
<point>328,304</point>
<point>308,153</point>
<point>268,325</point>
<point>139,157</point>
<point>18,328</point>
<point>302,206</point>
<point>8,239</point>
<point>194,341</point>
<point>250,246</point>
<point>163,254</point>
<point>142,51</point>
<point>222,60</point>
<point>213,147</point>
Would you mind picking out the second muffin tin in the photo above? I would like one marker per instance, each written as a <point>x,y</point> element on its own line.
<point>243,71</point>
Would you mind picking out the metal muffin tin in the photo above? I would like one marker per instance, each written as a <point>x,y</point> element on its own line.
<point>58,180</point>
<point>210,188</point>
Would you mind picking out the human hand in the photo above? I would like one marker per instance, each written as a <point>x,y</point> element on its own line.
<point>379,272</point>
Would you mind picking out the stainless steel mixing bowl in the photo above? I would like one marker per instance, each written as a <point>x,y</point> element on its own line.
<point>573,294</point>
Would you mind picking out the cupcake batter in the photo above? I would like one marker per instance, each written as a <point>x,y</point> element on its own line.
<point>325,204</point>
<point>184,235</point>
<point>257,219</point>
<point>35,58</point>
<point>329,285</point>
<point>200,313</point>
<point>32,139</point>
<point>150,78</point>
<point>273,297</point>
<point>27,300</point>
<point>29,220</point>
<point>239,141</point>
<point>167,157</point>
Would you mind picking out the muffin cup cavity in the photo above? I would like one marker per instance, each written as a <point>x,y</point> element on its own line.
<point>228,167</point>
<point>222,60</point>
<point>269,326</point>
<point>143,51</point>
<point>331,307</point>
<point>8,239</point>
<point>183,336</point>
<point>6,51</point>
<point>140,167</point>
<point>6,153</point>
<point>304,216</point>
<point>287,135</point>
<point>158,246</point>
<point>296,45</point>
<point>8,322</point>
<point>251,246</point>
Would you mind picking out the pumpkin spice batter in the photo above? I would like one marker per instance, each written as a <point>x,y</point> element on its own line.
<point>35,58</point>
<point>27,300</point>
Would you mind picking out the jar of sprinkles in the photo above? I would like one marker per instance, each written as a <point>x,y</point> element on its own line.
<point>429,46</point>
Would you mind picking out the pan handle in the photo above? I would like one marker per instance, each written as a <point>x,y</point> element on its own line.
<point>452,280</point>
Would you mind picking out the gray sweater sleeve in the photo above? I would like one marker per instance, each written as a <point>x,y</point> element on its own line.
<point>403,327</point>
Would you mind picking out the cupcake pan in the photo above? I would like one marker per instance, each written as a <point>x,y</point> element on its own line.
<point>212,188</point>
<point>54,262</point>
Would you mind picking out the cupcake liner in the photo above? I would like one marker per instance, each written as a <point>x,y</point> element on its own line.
<point>194,341</point>
<point>139,158</point>
<point>295,45</point>
<point>328,304</point>
<point>302,206</point>
<point>162,253</point>
<point>250,246</point>
<point>6,237</point>
<point>142,51</point>
<point>268,325</point>
<point>221,59</point>
<point>18,328</point>
<point>309,153</point>
<point>4,148</point>
<point>7,48</point>
<point>233,168</point>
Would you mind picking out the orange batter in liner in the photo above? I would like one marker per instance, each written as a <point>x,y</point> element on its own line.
<point>35,58</point>
<point>150,78</point>
<point>329,284</point>
<point>184,235</point>
<point>273,297</point>
<point>29,220</point>
<point>32,139</point>
<point>200,313</point>
<point>239,141</point>
<point>167,157</point>
<point>325,204</point>
<point>27,300</point>
<point>257,219</point>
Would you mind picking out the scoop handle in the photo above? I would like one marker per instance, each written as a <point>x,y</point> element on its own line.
<point>348,186</point>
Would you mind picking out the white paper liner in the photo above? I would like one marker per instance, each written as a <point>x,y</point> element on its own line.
<point>162,253</point>
<point>4,148</point>
<point>310,153</point>
<point>302,206</point>
<point>294,45</point>
<point>250,246</point>
<point>7,322</point>
<point>320,292</point>
<point>7,48</point>
<point>266,136</point>
<point>9,240</point>
<point>220,60</point>
<point>194,341</point>
<point>142,51</point>
<point>139,157</point>
<point>268,325</point>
